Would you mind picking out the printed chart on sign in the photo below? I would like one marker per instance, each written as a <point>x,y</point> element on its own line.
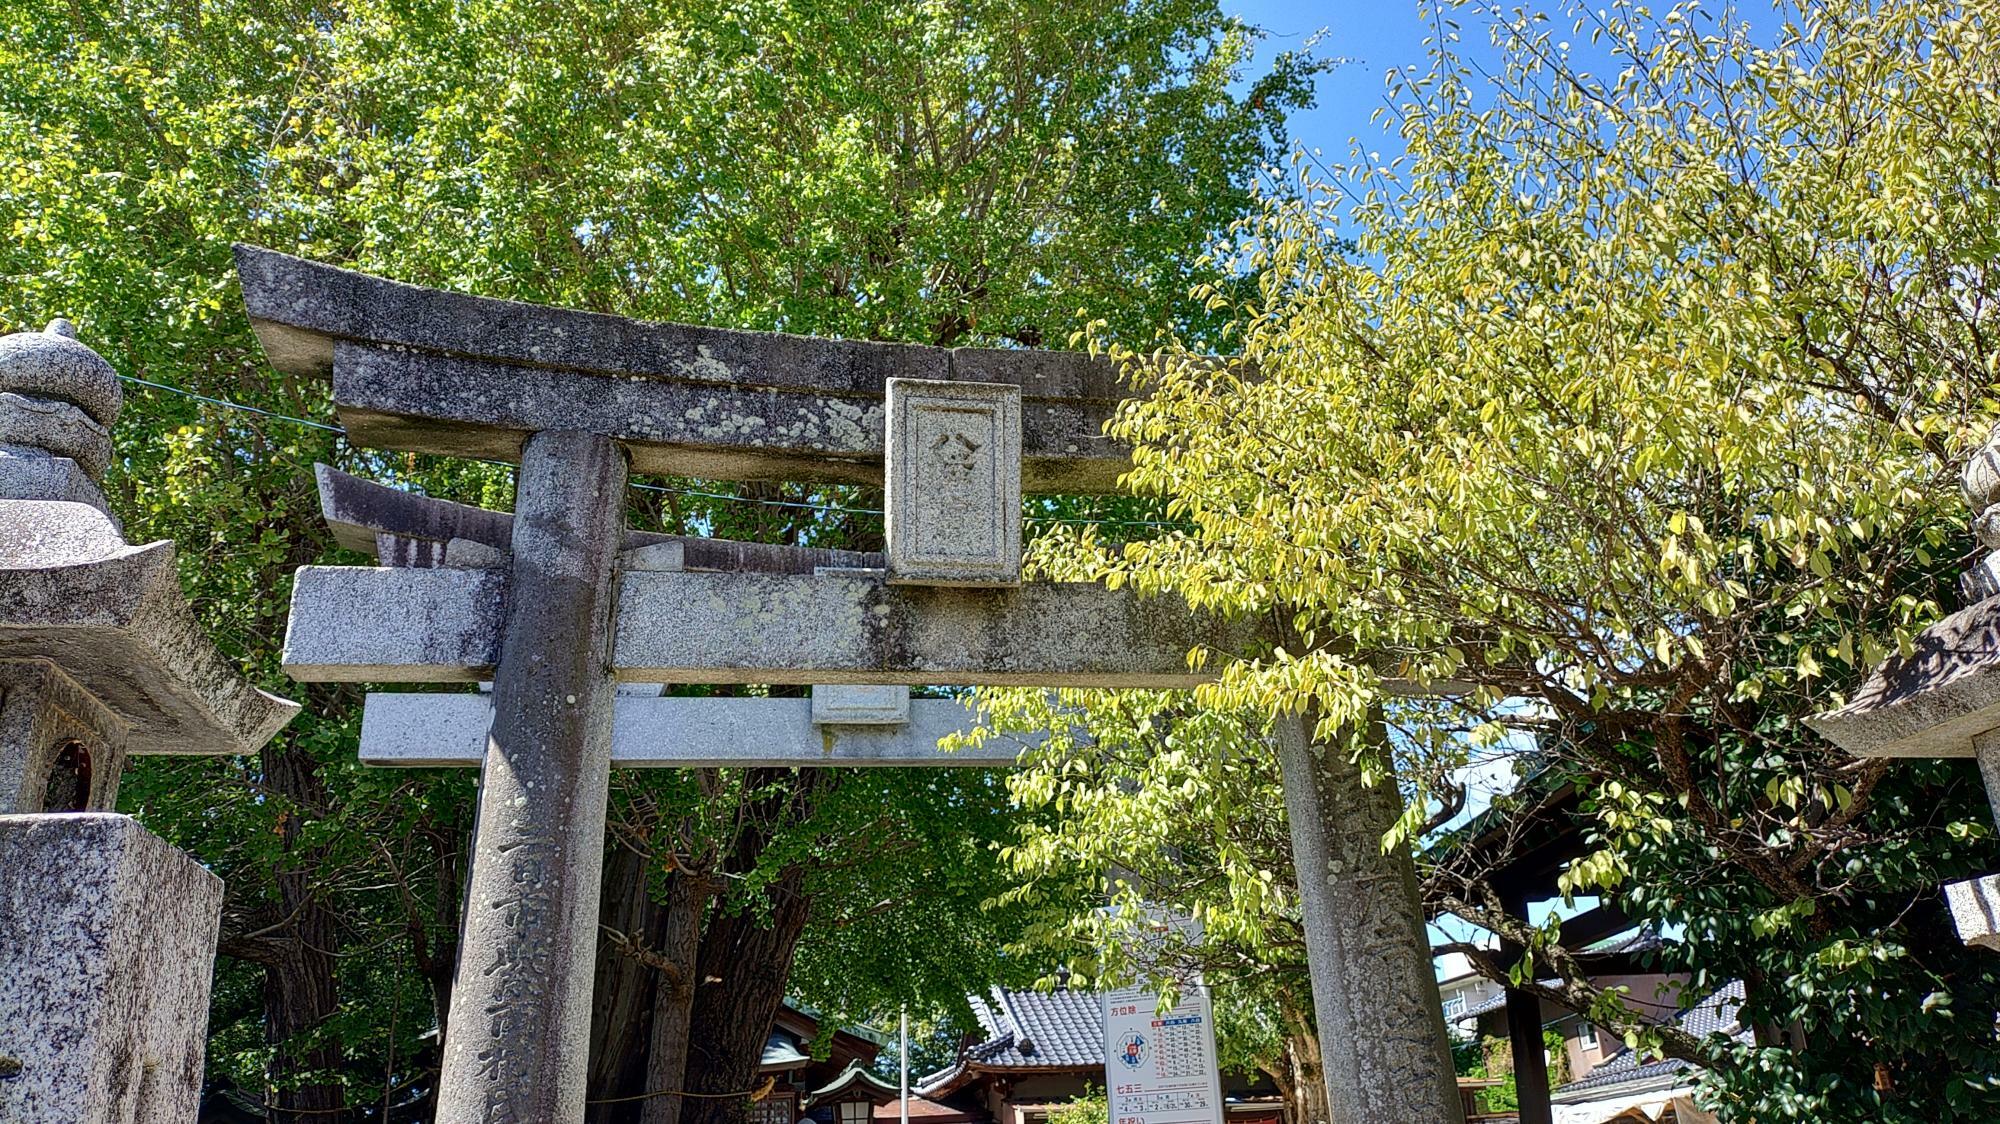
<point>1159,1067</point>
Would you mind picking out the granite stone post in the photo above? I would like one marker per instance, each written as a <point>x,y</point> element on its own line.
<point>107,941</point>
<point>519,1031</point>
<point>1986,751</point>
<point>1381,1025</point>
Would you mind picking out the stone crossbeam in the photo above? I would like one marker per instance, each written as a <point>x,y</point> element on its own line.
<point>428,730</point>
<point>373,625</point>
<point>426,371</point>
<point>357,511</point>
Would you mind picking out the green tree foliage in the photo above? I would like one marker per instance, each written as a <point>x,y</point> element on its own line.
<point>1180,806</point>
<point>951,174</point>
<point>1090,1108</point>
<point>1633,397</point>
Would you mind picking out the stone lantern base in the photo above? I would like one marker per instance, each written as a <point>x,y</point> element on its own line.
<point>107,947</point>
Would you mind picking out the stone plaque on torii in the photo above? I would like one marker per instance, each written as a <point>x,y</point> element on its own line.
<point>559,603</point>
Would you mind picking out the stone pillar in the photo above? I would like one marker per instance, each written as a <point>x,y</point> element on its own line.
<point>1986,750</point>
<point>519,1031</point>
<point>1381,1024</point>
<point>1975,902</point>
<point>107,945</point>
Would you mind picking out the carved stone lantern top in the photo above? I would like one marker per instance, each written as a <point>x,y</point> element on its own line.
<point>96,638</point>
<point>54,364</point>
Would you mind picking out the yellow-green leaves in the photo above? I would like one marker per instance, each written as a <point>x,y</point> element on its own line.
<point>1654,399</point>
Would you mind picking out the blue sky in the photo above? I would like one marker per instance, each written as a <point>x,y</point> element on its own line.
<point>1373,35</point>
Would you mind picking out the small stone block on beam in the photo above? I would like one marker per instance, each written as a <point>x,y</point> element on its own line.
<point>835,704</point>
<point>1975,910</point>
<point>664,557</point>
<point>952,482</point>
<point>858,704</point>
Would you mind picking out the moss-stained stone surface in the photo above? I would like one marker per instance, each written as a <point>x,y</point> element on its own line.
<point>429,371</point>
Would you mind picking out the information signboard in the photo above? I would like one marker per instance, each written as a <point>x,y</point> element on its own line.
<point>1159,1068</point>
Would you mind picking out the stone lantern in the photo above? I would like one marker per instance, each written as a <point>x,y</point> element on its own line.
<point>1942,699</point>
<point>107,933</point>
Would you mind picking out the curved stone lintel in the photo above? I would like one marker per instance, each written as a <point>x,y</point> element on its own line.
<point>423,370</point>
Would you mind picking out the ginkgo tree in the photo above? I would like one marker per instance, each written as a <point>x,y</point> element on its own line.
<point>961,174</point>
<point>1626,407</point>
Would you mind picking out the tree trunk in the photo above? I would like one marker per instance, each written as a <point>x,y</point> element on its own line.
<point>1375,995</point>
<point>744,965</point>
<point>658,1030</point>
<point>622,990</point>
<point>673,997</point>
<point>1305,1078</point>
<point>300,987</point>
<point>437,957</point>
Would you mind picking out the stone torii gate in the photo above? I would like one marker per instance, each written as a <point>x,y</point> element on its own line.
<point>563,602</point>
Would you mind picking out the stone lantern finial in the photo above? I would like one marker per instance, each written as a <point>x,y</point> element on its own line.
<point>58,397</point>
<point>58,400</point>
<point>1979,483</point>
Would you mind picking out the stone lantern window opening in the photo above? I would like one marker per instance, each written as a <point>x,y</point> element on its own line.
<point>68,787</point>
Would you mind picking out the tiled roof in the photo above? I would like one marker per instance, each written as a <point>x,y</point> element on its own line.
<point>1715,1014</point>
<point>1492,1003</point>
<point>1050,1027</point>
<point>1031,1030</point>
<point>1636,941</point>
<point>855,1080</point>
